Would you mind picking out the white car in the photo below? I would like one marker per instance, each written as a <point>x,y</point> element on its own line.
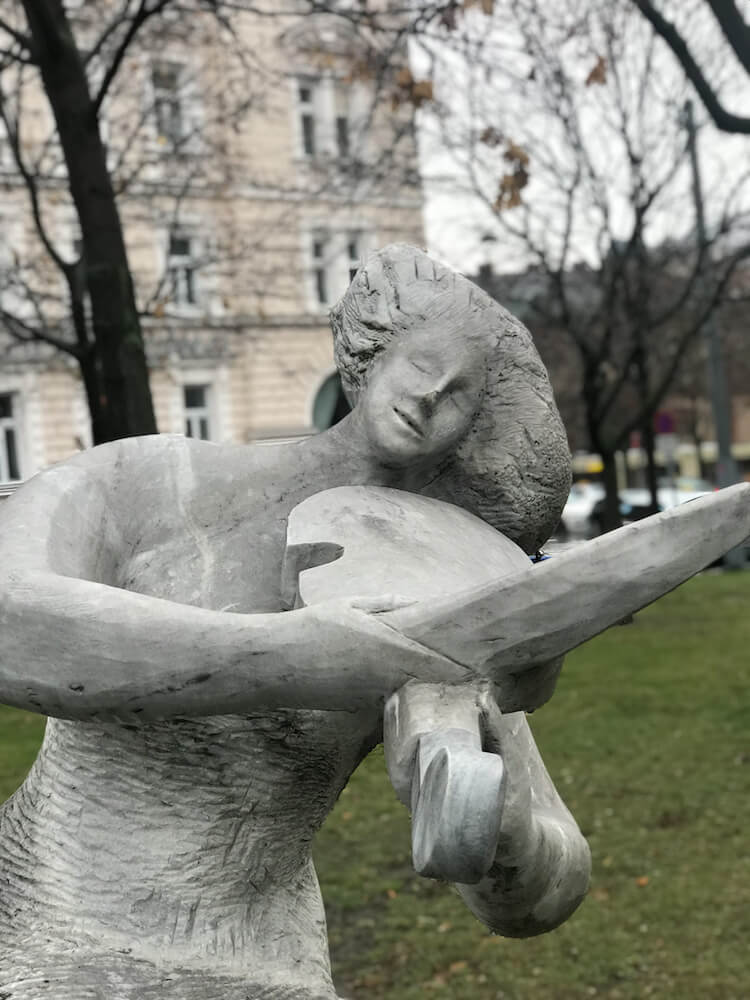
<point>582,511</point>
<point>636,503</point>
<point>576,515</point>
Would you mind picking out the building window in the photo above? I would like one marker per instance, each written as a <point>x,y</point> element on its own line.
<point>341,98</point>
<point>9,466</point>
<point>353,254</point>
<point>335,257</point>
<point>323,111</point>
<point>197,415</point>
<point>306,99</point>
<point>6,156</point>
<point>321,262</point>
<point>181,270</point>
<point>168,103</point>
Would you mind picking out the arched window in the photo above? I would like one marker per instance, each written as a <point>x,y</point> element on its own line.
<point>330,404</point>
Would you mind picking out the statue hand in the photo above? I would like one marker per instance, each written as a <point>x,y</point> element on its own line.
<point>508,736</point>
<point>359,657</point>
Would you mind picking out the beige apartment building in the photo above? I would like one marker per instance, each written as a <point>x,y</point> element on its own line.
<point>256,168</point>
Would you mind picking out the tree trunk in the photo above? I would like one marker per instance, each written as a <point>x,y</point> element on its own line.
<point>611,517</point>
<point>119,361</point>
<point>648,443</point>
<point>698,443</point>
<point>93,388</point>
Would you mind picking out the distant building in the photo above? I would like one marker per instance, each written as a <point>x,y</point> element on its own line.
<point>243,226</point>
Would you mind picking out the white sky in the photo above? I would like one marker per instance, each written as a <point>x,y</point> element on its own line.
<point>456,218</point>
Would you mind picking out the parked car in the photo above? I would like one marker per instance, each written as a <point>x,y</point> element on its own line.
<point>636,503</point>
<point>576,515</point>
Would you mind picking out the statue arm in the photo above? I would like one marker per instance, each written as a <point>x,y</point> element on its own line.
<point>75,648</point>
<point>542,865</point>
<point>464,802</point>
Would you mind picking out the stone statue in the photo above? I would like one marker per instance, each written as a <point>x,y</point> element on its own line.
<point>202,721</point>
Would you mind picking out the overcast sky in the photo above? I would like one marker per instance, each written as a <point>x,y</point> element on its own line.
<point>456,219</point>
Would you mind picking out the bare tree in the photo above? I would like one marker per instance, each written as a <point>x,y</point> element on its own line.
<point>109,348</point>
<point>86,145</point>
<point>736,33</point>
<point>572,136</point>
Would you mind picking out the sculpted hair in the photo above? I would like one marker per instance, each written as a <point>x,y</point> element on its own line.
<point>513,467</point>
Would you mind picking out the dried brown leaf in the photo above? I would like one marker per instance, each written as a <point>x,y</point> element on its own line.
<point>515,153</point>
<point>598,74</point>
<point>421,92</point>
<point>404,77</point>
<point>491,137</point>
<point>486,6</point>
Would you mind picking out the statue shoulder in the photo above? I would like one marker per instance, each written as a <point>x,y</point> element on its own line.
<point>82,489</point>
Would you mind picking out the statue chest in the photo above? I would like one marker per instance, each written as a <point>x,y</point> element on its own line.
<point>232,565</point>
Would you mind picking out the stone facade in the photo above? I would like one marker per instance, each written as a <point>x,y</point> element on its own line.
<point>248,196</point>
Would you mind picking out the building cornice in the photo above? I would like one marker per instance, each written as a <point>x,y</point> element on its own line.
<point>219,191</point>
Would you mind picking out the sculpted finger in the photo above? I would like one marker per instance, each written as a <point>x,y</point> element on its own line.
<point>381,603</point>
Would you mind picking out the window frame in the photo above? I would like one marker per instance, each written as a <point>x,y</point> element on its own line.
<point>333,265</point>
<point>307,116</point>
<point>322,118</point>
<point>182,271</point>
<point>174,97</point>
<point>202,414</point>
<point>353,260</point>
<point>10,425</point>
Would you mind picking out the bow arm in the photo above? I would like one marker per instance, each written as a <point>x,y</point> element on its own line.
<point>74,647</point>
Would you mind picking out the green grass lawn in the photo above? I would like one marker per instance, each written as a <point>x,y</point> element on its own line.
<point>648,739</point>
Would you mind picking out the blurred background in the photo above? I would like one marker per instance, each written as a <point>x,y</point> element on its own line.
<point>188,186</point>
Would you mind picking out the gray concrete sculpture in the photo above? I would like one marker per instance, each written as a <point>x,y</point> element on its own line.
<point>203,722</point>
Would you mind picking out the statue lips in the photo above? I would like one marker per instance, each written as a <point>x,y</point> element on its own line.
<point>409,421</point>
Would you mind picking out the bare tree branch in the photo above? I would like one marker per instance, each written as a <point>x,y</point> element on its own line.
<point>24,40</point>
<point>735,28</point>
<point>141,16</point>
<point>12,130</point>
<point>723,119</point>
<point>21,330</point>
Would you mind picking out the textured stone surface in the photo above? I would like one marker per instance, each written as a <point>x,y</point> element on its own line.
<point>418,548</point>
<point>482,600</point>
<point>198,736</point>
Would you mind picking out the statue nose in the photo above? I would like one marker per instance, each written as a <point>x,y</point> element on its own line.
<point>428,401</point>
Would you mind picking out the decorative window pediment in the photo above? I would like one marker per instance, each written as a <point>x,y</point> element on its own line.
<point>323,35</point>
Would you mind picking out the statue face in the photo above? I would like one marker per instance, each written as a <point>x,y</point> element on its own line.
<point>422,394</point>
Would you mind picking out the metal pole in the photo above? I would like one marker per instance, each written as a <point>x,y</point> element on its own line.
<point>721,404</point>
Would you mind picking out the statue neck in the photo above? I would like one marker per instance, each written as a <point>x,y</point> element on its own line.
<point>341,456</point>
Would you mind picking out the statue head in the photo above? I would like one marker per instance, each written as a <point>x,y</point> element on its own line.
<point>444,374</point>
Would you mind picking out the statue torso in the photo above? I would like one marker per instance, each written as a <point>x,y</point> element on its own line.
<point>188,841</point>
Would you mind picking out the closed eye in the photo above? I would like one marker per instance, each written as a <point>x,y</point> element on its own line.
<point>421,368</point>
